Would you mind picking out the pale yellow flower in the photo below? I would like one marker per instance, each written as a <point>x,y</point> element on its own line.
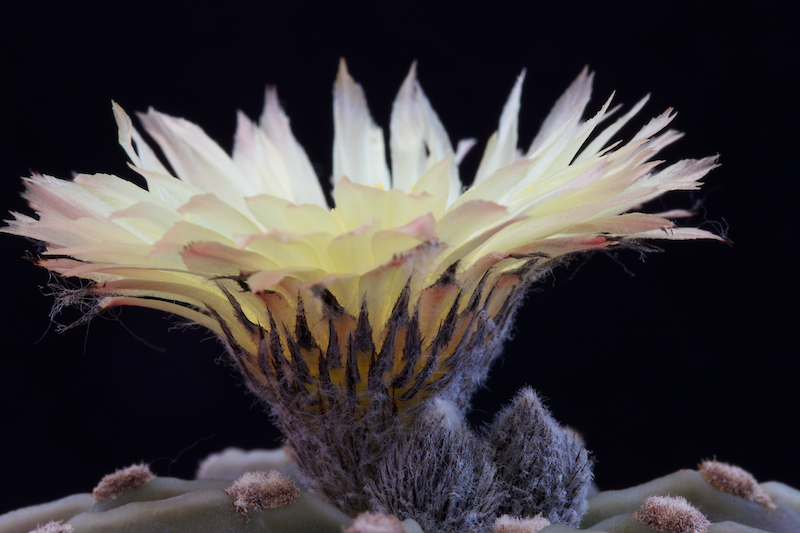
<point>407,270</point>
<point>349,320</point>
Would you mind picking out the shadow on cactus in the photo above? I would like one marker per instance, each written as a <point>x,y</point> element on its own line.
<point>367,326</point>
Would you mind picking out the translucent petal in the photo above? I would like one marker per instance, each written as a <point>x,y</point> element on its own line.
<point>605,136</point>
<point>418,138</point>
<point>143,156</point>
<point>459,224</point>
<point>303,180</point>
<point>218,259</point>
<point>269,211</point>
<point>197,159</point>
<point>567,111</point>
<point>209,211</point>
<point>260,160</point>
<point>436,182</point>
<point>358,147</point>
<point>310,218</point>
<point>306,251</point>
<point>147,220</point>
<point>502,146</point>
<point>168,188</point>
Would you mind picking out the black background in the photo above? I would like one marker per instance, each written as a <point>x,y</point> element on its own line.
<point>692,356</point>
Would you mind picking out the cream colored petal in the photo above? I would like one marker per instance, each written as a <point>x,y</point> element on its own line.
<point>361,205</point>
<point>382,285</point>
<point>168,188</point>
<point>558,246</point>
<point>288,281</point>
<point>352,252</point>
<point>552,148</point>
<point>436,139</point>
<point>499,186</point>
<point>466,253</point>
<point>675,213</point>
<point>260,160</point>
<point>678,234</point>
<point>356,204</point>
<point>217,259</point>
<point>302,252</point>
<point>68,267</point>
<point>440,148</point>
<point>143,156</point>
<point>114,252</point>
<point>567,110</point>
<point>627,224</point>
<point>418,139</point>
<point>560,197</point>
<point>94,231</point>
<point>567,154</point>
<point>407,132</point>
<point>269,211</point>
<point>170,308</point>
<point>209,211</point>
<point>46,194</point>
<point>436,182</point>
<point>459,225</point>
<point>655,125</point>
<point>116,272</point>
<point>195,294</point>
<point>180,235</point>
<point>596,186</point>
<point>55,235</point>
<point>423,228</point>
<point>124,129</point>
<point>387,245</point>
<point>536,228</point>
<point>197,159</point>
<point>115,192</point>
<point>265,279</point>
<point>303,180</point>
<point>463,148</point>
<point>605,136</point>
<point>685,174</point>
<point>358,147</point>
<point>659,142</point>
<point>311,218</point>
<point>502,146</point>
<point>404,208</point>
<point>147,220</point>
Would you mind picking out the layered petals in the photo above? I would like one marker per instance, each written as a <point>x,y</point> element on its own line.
<point>401,277</point>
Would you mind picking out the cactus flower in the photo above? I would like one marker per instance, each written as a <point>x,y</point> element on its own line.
<point>349,320</point>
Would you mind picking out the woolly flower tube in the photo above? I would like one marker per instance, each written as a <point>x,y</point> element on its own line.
<point>349,320</point>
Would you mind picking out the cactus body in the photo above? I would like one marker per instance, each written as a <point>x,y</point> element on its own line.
<point>202,505</point>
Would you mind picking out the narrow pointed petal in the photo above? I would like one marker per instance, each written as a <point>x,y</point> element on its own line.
<point>358,147</point>
<point>570,105</point>
<point>197,159</point>
<point>463,148</point>
<point>167,188</point>
<point>502,146</point>
<point>459,224</point>
<point>142,156</point>
<point>407,130</point>
<point>303,180</point>
<point>259,160</point>
<point>678,234</point>
<point>218,259</point>
<point>436,181</point>
<point>605,136</point>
